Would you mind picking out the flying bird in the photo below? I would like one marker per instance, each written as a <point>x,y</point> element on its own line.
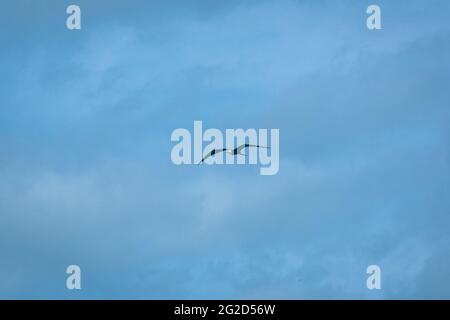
<point>235,151</point>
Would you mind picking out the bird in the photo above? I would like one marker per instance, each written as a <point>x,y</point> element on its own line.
<point>212,153</point>
<point>235,151</point>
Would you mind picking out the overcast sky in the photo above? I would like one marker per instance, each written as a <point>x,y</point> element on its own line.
<point>85,170</point>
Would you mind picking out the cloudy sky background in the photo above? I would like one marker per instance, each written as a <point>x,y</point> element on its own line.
<point>85,170</point>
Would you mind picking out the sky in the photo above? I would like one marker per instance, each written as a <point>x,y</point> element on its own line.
<point>86,176</point>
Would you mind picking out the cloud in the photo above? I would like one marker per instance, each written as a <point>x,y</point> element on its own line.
<point>86,176</point>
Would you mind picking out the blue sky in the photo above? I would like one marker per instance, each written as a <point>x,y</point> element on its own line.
<point>85,171</point>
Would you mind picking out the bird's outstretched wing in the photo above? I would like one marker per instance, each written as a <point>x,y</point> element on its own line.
<point>211,153</point>
<point>246,145</point>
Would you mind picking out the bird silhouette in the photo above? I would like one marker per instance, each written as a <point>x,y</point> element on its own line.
<point>235,151</point>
